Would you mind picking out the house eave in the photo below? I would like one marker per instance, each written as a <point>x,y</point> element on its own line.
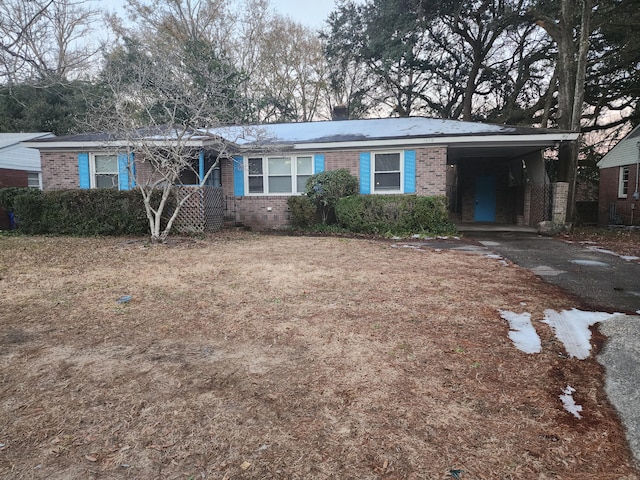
<point>531,140</point>
<point>117,145</point>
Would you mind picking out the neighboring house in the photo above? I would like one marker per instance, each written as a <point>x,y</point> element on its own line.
<point>490,173</point>
<point>19,166</point>
<point>619,178</point>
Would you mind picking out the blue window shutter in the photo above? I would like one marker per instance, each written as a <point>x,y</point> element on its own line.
<point>409,171</point>
<point>83,170</point>
<point>238,176</point>
<point>201,171</point>
<point>318,163</point>
<point>132,178</point>
<point>123,172</point>
<point>365,172</point>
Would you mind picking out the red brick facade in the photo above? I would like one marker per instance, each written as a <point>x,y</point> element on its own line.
<point>11,178</point>
<point>625,211</point>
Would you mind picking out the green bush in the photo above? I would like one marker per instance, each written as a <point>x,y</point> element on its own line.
<point>303,211</point>
<point>8,194</point>
<point>82,212</point>
<point>325,188</point>
<point>394,214</point>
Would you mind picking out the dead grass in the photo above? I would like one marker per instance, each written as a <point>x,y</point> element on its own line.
<point>248,356</point>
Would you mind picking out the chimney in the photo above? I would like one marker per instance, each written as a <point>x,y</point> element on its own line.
<point>340,112</point>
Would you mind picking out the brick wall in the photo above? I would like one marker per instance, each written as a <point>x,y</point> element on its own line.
<point>10,178</point>
<point>608,197</point>
<point>13,178</point>
<point>431,171</point>
<point>59,170</point>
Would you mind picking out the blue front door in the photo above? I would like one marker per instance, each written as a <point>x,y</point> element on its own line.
<point>485,198</point>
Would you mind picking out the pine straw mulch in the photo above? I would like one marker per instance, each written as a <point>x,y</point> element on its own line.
<point>622,242</point>
<point>246,356</point>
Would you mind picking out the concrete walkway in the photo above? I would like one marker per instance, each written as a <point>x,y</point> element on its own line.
<point>604,282</point>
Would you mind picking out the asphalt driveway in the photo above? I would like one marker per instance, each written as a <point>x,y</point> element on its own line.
<point>603,281</point>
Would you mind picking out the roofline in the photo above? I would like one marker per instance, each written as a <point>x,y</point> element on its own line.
<point>111,145</point>
<point>545,139</point>
<point>533,140</point>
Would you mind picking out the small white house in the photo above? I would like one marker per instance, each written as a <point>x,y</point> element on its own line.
<point>19,165</point>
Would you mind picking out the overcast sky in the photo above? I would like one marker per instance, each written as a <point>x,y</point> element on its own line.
<point>311,13</point>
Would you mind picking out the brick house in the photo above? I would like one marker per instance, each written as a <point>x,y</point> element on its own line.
<point>19,166</point>
<point>490,173</point>
<point>619,179</point>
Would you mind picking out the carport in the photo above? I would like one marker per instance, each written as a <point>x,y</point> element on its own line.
<point>505,181</point>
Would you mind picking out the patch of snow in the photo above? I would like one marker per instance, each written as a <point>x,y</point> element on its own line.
<point>487,243</point>
<point>589,263</point>
<point>544,270</point>
<point>502,261</point>
<point>571,327</point>
<point>628,258</point>
<point>637,311</point>
<point>569,403</point>
<point>522,334</point>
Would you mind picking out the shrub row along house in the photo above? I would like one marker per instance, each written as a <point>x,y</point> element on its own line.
<point>489,173</point>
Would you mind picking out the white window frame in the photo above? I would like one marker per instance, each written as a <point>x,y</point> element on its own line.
<point>39,179</point>
<point>373,173</point>
<point>92,168</point>
<point>623,183</point>
<point>265,174</point>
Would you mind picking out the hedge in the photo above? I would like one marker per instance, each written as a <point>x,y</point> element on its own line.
<point>394,214</point>
<point>82,212</point>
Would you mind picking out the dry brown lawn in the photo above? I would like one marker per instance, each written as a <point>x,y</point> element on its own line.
<point>247,356</point>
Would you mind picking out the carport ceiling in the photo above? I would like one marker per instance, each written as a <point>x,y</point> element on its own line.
<point>495,152</point>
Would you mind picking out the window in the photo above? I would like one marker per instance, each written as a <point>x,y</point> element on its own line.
<point>387,172</point>
<point>278,175</point>
<point>104,171</point>
<point>623,185</point>
<point>33,179</point>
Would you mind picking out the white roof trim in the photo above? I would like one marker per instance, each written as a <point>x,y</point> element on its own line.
<point>83,146</point>
<point>533,140</point>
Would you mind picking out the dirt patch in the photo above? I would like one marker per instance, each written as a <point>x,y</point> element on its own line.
<point>249,356</point>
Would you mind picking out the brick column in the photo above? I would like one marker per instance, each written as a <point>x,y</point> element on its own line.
<point>560,196</point>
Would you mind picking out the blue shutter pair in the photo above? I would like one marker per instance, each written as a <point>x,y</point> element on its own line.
<point>238,172</point>
<point>409,172</point>
<point>126,177</point>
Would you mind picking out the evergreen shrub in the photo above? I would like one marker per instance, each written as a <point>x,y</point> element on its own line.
<point>325,188</point>
<point>83,212</point>
<point>394,214</point>
<point>304,212</point>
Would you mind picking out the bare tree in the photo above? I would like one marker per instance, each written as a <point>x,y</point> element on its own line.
<point>162,96</point>
<point>47,40</point>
